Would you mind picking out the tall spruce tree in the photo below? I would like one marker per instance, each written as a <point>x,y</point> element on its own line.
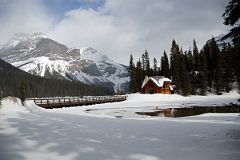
<point>236,57</point>
<point>155,68</point>
<point>147,60</point>
<point>195,77</point>
<point>1,95</point>
<point>190,68</point>
<point>203,73</point>
<point>212,62</point>
<point>161,66</point>
<point>216,62</point>
<point>210,65</point>
<point>22,91</point>
<point>175,60</point>
<point>228,67</point>
<point>146,69</point>
<point>139,76</point>
<point>165,65</point>
<point>143,66</point>
<point>231,17</point>
<point>219,79</point>
<point>131,70</point>
<point>189,60</point>
<point>184,76</point>
<point>196,56</point>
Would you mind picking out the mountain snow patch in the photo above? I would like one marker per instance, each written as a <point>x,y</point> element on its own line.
<point>40,55</point>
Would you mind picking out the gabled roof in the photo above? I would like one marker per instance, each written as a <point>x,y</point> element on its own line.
<point>158,80</point>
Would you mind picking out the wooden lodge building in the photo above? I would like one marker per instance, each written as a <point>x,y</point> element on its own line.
<point>157,84</point>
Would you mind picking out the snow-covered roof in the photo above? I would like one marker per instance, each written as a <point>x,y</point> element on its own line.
<point>158,80</point>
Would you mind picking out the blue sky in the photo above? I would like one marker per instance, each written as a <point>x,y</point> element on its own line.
<point>59,7</point>
<point>116,27</point>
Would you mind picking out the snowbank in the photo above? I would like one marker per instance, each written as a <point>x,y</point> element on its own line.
<point>233,96</point>
<point>11,105</point>
<point>32,107</point>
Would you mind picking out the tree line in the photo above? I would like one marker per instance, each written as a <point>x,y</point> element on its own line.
<point>14,82</point>
<point>193,72</point>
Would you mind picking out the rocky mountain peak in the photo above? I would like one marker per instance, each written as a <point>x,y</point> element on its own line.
<point>20,37</point>
<point>37,35</point>
<point>39,55</point>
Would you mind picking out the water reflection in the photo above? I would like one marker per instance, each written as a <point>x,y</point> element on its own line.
<point>191,111</point>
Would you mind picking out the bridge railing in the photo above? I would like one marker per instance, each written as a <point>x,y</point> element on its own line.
<point>57,102</point>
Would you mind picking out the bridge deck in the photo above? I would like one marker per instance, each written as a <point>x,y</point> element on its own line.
<point>50,103</point>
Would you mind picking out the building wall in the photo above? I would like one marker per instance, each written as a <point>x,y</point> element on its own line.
<point>150,87</point>
<point>166,88</point>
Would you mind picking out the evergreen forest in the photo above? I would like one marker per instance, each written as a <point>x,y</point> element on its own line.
<point>193,72</point>
<point>14,82</point>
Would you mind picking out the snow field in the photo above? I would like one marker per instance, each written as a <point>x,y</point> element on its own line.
<point>74,134</point>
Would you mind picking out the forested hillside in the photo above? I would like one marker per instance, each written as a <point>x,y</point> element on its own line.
<point>12,79</point>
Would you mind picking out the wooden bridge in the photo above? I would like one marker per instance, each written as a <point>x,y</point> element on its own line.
<point>50,103</point>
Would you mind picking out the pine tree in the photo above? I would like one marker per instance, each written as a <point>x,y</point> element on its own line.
<point>185,79</point>
<point>161,70</point>
<point>196,56</point>
<point>231,17</point>
<point>236,57</point>
<point>155,68</point>
<point>210,65</point>
<point>22,92</point>
<point>143,66</point>
<point>203,73</point>
<point>131,70</point>
<point>190,60</point>
<point>172,53</point>
<point>1,95</point>
<point>219,81</point>
<point>212,51</point>
<point>195,77</point>
<point>228,67</point>
<point>165,65</point>
<point>139,76</point>
<point>147,63</point>
<point>216,61</point>
<point>190,67</point>
<point>175,65</point>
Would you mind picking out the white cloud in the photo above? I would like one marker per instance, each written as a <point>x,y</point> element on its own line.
<point>26,16</point>
<point>83,27</point>
<point>120,28</point>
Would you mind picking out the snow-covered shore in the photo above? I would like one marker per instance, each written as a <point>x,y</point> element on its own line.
<point>31,132</point>
<point>149,102</point>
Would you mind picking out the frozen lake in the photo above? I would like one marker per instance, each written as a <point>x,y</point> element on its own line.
<point>31,132</point>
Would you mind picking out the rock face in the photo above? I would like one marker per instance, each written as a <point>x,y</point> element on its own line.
<point>43,56</point>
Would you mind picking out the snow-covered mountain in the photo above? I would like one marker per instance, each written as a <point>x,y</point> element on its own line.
<point>40,55</point>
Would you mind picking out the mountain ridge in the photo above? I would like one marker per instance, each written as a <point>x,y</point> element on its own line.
<point>40,55</point>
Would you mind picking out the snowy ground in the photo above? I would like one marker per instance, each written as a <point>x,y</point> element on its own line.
<point>31,132</point>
